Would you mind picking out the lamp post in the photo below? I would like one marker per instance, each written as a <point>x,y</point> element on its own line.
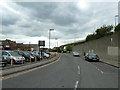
<point>115,19</point>
<point>50,36</point>
<point>56,43</point>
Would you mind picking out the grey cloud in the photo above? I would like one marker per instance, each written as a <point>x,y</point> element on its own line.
<point>9,18</point>
<point>66,18</point>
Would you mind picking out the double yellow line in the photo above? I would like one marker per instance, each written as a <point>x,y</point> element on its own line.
<point>27,71</point>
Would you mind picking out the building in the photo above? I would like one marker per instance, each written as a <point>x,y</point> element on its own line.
<point>33,47</point>
<point>9,45</point>
<point>119,12</point>
<point>22,47</point>
<point>12,45</point>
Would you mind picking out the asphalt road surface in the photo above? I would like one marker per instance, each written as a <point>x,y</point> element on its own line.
<point>67,72</point>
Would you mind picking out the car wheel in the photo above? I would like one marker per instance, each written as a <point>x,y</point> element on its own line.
<point>27,60</point>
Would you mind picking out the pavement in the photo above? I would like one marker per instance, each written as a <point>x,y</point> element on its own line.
<point>67,72</point>
<point>22,67</point>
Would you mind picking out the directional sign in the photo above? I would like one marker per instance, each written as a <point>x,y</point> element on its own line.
<point>41,43</point>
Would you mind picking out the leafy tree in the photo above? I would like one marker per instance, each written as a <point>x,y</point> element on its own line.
<point>117,28</point>
<point>69,48</point>
<point>103,31</point>
<point>91,37</point>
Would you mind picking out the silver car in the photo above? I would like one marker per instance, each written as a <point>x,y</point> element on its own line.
<point>76,54</point>
<point>11,55</point>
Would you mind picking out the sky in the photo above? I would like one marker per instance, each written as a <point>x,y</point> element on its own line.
<point>72,21</point>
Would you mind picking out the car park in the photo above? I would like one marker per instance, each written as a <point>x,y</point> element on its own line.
<point>76,54</point>
<point>11,55</point>
<point>91,57</point>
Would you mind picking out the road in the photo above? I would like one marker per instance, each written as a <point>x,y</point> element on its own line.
<point>67,72</point>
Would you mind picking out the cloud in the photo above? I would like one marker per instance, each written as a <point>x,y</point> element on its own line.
<point>32,20</point>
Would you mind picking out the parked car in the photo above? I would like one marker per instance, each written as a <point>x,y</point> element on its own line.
<point>46,55</point>
<point>26,55</point>
<point>3,62</point>
<point>76,54</point>
<point>91,57</point>
<point>37,55</point>
<point>11,55</point>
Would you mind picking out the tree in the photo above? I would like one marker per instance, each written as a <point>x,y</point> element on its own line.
<point>91,37</point>
<point>117,28</point>
<point>69,48</point>
<point>104,31</point>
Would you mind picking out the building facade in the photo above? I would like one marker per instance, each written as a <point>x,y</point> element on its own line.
<point>12,45</point>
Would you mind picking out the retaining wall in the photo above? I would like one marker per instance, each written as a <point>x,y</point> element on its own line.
<point>107,48</point>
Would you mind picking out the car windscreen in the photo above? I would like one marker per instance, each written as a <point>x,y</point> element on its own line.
<point>27,53</point>
<point>14,53</point>
<point>93,55</point>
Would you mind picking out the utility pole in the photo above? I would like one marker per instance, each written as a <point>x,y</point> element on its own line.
<point>50,36</point>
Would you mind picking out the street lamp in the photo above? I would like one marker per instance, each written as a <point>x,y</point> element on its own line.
<point>56,41</point>
<point>115,19</point>
<point>49,36</point>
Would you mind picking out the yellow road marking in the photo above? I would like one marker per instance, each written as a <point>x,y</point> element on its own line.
<point>21,73</point>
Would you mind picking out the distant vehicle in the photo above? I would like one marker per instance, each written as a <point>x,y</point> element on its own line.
<point>11,55</point>
<point>76,54</point>
<point>3,62</point>
<point>91,57</point>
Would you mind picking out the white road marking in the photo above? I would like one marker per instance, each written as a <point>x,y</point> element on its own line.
<point>102,72</point>
<point>78,69</point>
<point>99,70</point>
<point>76,85</point>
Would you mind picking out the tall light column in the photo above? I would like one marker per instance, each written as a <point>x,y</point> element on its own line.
<point>116,20</point>
<point>50,36</point>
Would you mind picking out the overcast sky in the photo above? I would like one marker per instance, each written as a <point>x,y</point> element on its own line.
<point>27,22</point>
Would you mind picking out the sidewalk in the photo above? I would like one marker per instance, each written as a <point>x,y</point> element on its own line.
<point>16,69</point>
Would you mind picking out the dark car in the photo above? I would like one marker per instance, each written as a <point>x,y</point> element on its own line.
<point>26,55</point>
<point>91,57</point>
<point>3,62</point>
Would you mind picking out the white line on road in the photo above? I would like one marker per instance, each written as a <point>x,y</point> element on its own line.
<point>78,69</point>
<point>76,85</point>
<point>99,70</point>
<point>102,72</point>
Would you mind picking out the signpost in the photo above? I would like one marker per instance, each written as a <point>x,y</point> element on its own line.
<point>41,43</point>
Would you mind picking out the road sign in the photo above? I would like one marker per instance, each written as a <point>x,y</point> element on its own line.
<point>41,43</point>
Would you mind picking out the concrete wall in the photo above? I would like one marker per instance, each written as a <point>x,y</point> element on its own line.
<point>107,48</point>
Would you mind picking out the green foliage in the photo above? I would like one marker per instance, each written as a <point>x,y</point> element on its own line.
<point>56,50</point>
<point>103,31</point>
<point>100,32</point>
<point>117,28</point>
<point>69,48</point>
<point>91,37</point>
